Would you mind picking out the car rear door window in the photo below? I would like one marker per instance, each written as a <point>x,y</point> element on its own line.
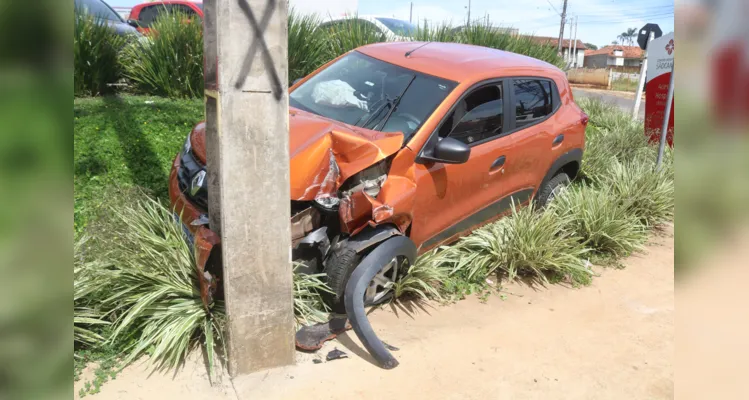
<point>533,101</point>
<point>149,15</point>
<point>478,116</point>
<point>181,8</point>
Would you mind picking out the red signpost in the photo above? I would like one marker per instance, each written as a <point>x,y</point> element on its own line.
<point>660,64</point>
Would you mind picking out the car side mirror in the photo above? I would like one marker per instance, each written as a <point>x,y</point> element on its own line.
<point>133,23</point>
<point>449,151</point>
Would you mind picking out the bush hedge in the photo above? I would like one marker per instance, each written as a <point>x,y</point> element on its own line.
<point>96,49</point>
<point>169,62</point>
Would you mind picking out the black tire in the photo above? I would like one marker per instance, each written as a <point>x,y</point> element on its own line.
<point>338,268</point>
<point>559,180</point>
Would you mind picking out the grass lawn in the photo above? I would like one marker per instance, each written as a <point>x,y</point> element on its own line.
<point>624,85</point>
<point>126,141</point>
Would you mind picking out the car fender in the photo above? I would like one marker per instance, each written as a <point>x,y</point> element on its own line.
<point>574,155</point>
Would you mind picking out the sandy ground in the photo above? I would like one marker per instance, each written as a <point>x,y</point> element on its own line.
<point>611,340</point>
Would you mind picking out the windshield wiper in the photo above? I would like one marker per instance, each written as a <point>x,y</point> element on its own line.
<point>393,105</point>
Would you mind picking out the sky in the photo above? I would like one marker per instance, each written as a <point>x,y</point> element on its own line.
<point>600,21</point>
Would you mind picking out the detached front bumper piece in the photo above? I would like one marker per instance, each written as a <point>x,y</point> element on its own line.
<point>357,285</point>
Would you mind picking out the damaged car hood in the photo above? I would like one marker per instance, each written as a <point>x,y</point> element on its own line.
<point>322,153</point>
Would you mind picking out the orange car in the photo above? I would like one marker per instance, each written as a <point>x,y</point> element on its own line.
<point>425,141</point>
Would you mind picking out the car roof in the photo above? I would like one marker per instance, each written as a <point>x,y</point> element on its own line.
<point>454,61</point>
<point>157,2</point>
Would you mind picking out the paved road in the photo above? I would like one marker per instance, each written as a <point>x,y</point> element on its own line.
<point>625,103</point>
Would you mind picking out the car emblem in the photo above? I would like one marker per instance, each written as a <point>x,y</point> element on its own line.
<point>197,183</point>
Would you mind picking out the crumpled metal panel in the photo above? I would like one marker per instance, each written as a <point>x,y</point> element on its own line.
<point>319,146</point>
<point>205,240</point>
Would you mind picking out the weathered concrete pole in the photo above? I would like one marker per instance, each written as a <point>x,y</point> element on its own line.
<point>247,145</point>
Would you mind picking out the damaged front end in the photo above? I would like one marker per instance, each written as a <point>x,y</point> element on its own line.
<point>346,184</point>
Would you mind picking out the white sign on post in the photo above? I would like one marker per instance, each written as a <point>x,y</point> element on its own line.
<point>660,63</point>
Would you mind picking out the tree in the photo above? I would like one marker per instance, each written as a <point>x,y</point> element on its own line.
<point>629,36</point>
<point>615,42</point>
<point>591,46</point>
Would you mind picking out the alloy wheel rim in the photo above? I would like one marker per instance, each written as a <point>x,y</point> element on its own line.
<point>382,285</point>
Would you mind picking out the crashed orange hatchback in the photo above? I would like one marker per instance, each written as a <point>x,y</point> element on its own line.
<point>422,142</point>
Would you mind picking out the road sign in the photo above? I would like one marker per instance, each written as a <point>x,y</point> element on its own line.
<point>644,36</point>
<point>660,63</point>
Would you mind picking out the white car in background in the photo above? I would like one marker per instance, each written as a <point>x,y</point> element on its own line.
<point>394,29</point>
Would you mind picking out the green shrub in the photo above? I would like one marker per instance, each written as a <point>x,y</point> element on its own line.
<point>308,47</point>
<point>488,35</point>
<point>612,136</point>
<point>149,283</point>
<point>170,61</point>
<point>96,48</point>
<point>601,223</point>
<point>642,191</point>
<point>435,33</point>
<point>542,245</point>
<point>348,34</point>
<point>422,279</point>
<point>309,306</point>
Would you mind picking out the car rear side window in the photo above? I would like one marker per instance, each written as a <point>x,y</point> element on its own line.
<point>533,101</point>
<point>148,15</point>
<point>476,117</point>
<point>181,8</point>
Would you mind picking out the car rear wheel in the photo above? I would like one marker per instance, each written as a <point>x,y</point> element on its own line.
<point>552,189</point>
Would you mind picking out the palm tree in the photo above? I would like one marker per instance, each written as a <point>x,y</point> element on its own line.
<point>628,37</point>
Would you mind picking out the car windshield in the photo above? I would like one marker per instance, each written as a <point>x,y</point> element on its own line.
<point>362,91</point>
<point>98,9</point>
<point>399,27</point>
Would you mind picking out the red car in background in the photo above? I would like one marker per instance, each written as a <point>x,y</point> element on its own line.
<point>143,15</point>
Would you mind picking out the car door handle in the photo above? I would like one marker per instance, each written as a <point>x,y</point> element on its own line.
<point>498,163</point>
<point>558,140</point>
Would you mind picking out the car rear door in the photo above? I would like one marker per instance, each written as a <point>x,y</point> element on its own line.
<point>533,136</point>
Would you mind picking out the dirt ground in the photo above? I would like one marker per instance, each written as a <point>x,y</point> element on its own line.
<point>611,340</point>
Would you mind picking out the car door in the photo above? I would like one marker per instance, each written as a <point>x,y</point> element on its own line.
<point>453,198</point>
<point>532,136</point>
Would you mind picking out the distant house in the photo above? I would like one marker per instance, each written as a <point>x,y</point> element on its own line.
<point>614,56</point>
<point>577,61</point>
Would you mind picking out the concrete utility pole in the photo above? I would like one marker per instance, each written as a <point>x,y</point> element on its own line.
<point>574,44</point>
<point>643,78</point>
<point>569,45</point>
<point>468,23</point>
<point>561,27</point>
<point>247,141</point>
<point>411,13</point>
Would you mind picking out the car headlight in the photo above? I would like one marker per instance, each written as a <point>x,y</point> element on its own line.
<point>197,183</point>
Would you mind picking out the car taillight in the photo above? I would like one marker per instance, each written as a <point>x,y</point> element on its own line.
<point>584,118</point>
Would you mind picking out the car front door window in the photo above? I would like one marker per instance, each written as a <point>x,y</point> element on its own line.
<point>477,117</point>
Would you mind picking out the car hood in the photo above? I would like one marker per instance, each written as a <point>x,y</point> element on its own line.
<point>323,153</point>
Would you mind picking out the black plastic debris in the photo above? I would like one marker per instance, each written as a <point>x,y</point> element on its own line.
<point>317,361</point>
<point>335,354</point>
<point>311,338</point>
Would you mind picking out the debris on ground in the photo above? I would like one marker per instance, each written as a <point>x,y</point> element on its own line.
<point>335,354</point>
<point>317,361</point>
<point>311,338</point>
